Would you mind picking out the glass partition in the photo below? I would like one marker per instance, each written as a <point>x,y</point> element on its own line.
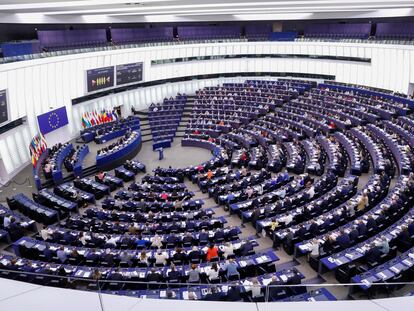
<point>248,291</point>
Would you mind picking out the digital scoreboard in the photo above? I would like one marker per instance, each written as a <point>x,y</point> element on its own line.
<point>128,73</point>
<point>4,109</point>
<point>99,78</point>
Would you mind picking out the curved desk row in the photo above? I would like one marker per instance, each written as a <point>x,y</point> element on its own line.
<point>89,134</point>
<point>401,111</point>
<point>198,143</point>
<point>60,157</point>
<point>114,158</point>
<point>77,168</point>
<point>115,134</point>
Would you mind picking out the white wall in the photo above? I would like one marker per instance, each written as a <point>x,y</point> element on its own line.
<point>36,86</point>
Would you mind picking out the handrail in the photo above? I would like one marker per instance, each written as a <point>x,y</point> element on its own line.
<point>176,42</point>
<point>232,283</point>
<point>110,48</point>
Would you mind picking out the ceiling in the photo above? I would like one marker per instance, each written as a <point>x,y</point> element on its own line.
<point>118,11</point>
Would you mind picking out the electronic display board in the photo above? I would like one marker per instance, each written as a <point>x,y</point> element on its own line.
<point>99,78</point>
<point>4,109</point>
<point>128,73</point>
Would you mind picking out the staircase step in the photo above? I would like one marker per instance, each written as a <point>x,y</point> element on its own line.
<point>142,113</point>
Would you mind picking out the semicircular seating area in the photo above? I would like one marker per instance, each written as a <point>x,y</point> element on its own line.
<point>304,179</point>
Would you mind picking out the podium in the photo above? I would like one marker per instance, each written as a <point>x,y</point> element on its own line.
<point>160,153</point>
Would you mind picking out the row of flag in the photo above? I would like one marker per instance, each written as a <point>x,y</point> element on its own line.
<point>93,118</point>
<point>37,147</point>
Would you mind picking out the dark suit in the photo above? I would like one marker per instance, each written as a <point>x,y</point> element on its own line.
<point>219,235</point>
<point>343,240</point>
<point>188,239</point>
<point>362,229</point>
<point>246,248</point>
<point>373,254</point>
<point>301,233</point>
<point>116,276</point>
<point>314,229</point>
<point>411,229</point>
<point>154,277</point>
<point>203,237</point>
<point>213,297</point>
<point>233,294</point>
<point>174,275</point>
<point>353,234</point>
<point>274,291</point>
<point>371,223</point>
<point>194,255</point>
<point>404,237</point>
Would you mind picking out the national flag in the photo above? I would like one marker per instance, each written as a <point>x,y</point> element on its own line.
<point>34,161</point>
<point>105,117</point>
<point>43,142</point>
<point>93,120</point>
<point>115,115</point>
<point>83,121</point>
<point>109,114</point>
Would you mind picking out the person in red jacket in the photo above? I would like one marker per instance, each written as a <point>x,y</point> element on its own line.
<point>212,252</point>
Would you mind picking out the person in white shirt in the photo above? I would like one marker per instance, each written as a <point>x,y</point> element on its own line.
<point>288,219</point>
<point>213,272</point>
<point>249,192</point>
<point>311,192</point>
<point>314,253</point>
<point>156,241</point>
<point>256,289</point>
<point>45,234</point>
<point>143,258</point>
<point>161,258</point>
<point>112,241</point>
<point>7,221</point>
<point>83,239</point>
<point>228,250</point>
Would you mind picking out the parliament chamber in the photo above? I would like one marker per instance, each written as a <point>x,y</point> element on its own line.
<point>257,158</point>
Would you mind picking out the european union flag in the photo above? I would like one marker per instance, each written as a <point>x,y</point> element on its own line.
<point>52,120</point>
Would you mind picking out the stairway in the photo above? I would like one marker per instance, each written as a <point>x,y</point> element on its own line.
<point>188,108</point>
<point>144,125</point>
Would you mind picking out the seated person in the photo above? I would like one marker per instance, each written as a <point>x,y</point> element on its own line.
<point>233,294</point>
<point>246,248</point>
<point>173,274</point>
<point>161,257</point>
<point>154,276</point>
<point>343,239</point>
<point>383,245</point>
<point>194,255</point>
<point>372,254</point>
<point>101,176</point>
<point>231,268</point>
<point>213,272</point>
<point>194,274</point>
